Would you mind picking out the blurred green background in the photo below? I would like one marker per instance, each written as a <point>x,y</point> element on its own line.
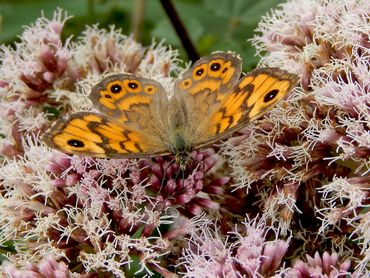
<point>211,24</point>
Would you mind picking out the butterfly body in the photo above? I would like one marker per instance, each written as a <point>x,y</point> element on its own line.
<point>137,119</point>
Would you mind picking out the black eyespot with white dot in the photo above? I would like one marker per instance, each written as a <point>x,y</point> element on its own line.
<point>115,89</point>
<point>215,67</point>
<point>199,72</point>
<point>76,143</point>
<point>270,95</point>
<point>132,85</point>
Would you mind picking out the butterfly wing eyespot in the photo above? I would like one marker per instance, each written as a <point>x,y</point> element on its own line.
<point>215,66</point>
<point>150,89</point>
<point>96,135</point>
<point>185,84</point>
<point>132,86</point>
<point>199,72</point>
<point>270,96</point>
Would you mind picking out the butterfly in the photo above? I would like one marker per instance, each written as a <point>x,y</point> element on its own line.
<point>138,120</point>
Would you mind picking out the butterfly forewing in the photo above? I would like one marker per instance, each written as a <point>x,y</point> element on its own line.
<point>96,135</point>
<point>264,88</point>
<point>122,94</point>
<point>133,124</point>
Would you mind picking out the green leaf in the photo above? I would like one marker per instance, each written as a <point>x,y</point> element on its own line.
<point>164,30</point>
<point>16,14</point>
<point>53,112</point>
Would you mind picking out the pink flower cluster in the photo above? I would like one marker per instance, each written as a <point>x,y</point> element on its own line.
<point>94,215</point>
<point>309,159</point>
<point>301,173</point>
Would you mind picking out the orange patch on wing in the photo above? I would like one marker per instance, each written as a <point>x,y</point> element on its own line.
<point>257,93</point>
<point>110,133</point>
<point>130,146</point>
<point>82,133</point>
<point>246,80</point>
<point>88,135</point>
<point>282,85</point>
<point>224,124</point>
<point>134,137</point>
<point>230,115</point>
<point>234,102</point>
<point>92,118</point>
<point>237,116</point>
<point>117,147</point>
<point>228,74</point>
<point>114,126</point>
<point>128,102</point>
<point>212,85</point>
<point>78,123</point>
<point>107,103</point>
<point>121,118</point>
<point>258,109</point>
<point>259,105</point>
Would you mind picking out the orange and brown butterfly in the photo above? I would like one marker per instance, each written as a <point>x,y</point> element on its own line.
<point>137,119</point>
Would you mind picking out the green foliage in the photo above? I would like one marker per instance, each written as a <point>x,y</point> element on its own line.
<point>54,113</point>
<point>7,247</point>
<point>212,24</point>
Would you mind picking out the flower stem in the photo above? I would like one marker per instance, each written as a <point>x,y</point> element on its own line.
<point>180,29</point>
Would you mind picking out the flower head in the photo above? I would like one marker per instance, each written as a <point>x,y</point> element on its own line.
<point>246,251</point>
<point>300,173</point>
<point>319,137</point>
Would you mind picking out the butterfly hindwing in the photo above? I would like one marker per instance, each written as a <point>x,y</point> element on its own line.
<point>201,90</point>
<point>122,94</point>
